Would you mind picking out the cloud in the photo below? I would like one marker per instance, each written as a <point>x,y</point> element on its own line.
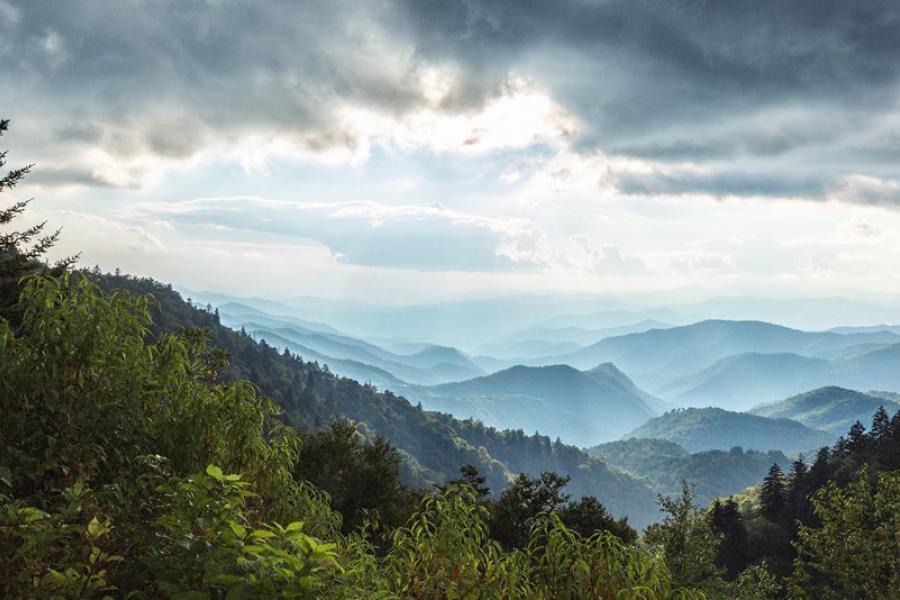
<point>428,238</point>
<point>117,96</point>
<point>720,183</point>
<point>864,189</point>
<point>605,260</point>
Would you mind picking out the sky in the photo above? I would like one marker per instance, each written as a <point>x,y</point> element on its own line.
<point>416,150</point>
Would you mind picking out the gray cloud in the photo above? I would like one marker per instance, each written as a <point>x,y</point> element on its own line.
<point>689,81</point>
<point>722,183</point>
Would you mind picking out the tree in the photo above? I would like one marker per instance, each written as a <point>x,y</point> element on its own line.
<point>588,516</point>
<point>772,495</point>
<point>17,258</point>
<point>521,503</point>
<point>362,479</point>
<point>725,519</point>
<point>469,476</point>
<point>855,553</point>
<point>686,540</point>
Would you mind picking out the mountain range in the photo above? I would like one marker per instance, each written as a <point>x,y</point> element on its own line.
<point>682,364</point>
<point>582,407</point>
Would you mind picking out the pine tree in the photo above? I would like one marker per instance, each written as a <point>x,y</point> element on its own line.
<point>470,476</point>
<point>857,441</point>
<point>772,494</point>
<point>21,252</point>
<point>881,428</point>
<point>726,520</point>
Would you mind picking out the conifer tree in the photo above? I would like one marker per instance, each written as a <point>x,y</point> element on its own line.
<point>21,252</point>
<point>772,495</point>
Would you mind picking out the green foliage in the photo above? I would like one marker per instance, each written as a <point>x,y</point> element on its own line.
<point>855,552</point>
<point>20,251</point>
<point>362,480</point>
<point>686,540</point>
<point>105,444</point>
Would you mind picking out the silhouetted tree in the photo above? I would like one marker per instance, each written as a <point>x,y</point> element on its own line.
<point>522,502</point>
<point>726,520</point>
<point>588,516</point>
<point>362,479</point>
<point>771,495</point>
<point>470,476</point>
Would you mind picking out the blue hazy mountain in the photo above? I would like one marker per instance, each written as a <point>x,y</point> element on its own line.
<point>700,429</point>
<point>743,381</point>
<point>581,407</point>
<point>656,358</point>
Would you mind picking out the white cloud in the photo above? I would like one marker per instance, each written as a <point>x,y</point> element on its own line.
<point>368,233</point>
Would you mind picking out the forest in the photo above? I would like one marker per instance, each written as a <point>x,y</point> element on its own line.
<point>149,452</point>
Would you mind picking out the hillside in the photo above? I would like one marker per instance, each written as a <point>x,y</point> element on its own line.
<point>742,381</point>
<point>425,365</point>
<point>582,407</point>
<point>433,445</point>
<point>713,473</point>
<point>832,409</point>
<point>699,429</point>
<point>657,357</point>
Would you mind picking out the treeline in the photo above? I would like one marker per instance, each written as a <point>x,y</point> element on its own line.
<point>832,527</point>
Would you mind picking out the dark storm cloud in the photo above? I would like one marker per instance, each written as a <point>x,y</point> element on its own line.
<point>688,80</point>
<point>636,65</point>
<point>164,77</point>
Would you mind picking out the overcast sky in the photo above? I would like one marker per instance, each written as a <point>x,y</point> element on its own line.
<point>417,150</point>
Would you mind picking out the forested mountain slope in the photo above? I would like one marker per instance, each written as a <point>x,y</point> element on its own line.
<point>712,473</point>
<point>698,429</point>
<point>831,409</point>
<point>433,445</point>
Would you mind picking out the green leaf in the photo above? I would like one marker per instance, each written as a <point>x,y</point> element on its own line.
<point>262,533</point>
<point>238,529</point>
<point>215,472</point>
<point>30,514</point>
<point>96,529</point>
<point>294,526</point>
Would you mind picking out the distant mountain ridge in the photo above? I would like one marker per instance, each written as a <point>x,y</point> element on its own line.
<point>582,407</point>
<point>700,429</point>
<point>427,365</point>
<point>686,349</point>
<point>833,409</point>
<point>743,381</point>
